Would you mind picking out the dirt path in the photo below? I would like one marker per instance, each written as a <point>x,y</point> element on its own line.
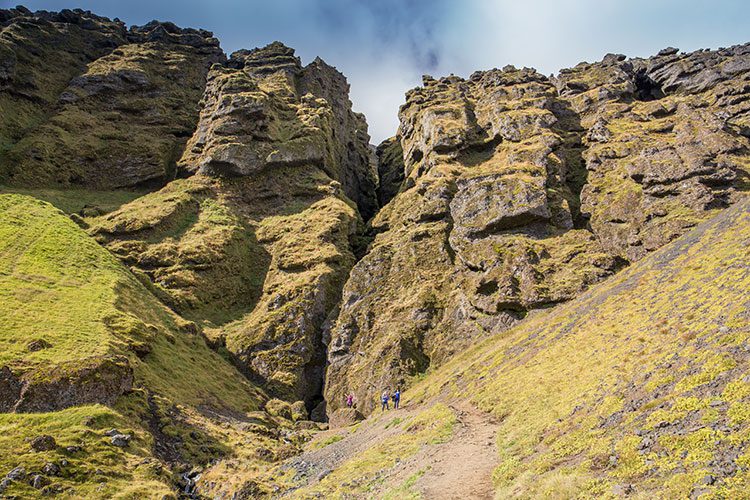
<point>462,468</point>
<point>458,469</point>
<point>314,465</point>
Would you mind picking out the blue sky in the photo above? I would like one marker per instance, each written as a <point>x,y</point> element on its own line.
<point>384,46</point>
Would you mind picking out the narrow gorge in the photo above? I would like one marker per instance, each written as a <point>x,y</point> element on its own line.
<point>205,253</point>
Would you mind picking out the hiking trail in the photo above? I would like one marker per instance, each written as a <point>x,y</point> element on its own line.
<point>460,468</point>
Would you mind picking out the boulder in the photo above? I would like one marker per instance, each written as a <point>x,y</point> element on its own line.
<point>279,408</point>
<point>344,417</point>
<point>121,440</point>
<point>43,443</point>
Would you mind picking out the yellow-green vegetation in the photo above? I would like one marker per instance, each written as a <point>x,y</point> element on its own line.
<point>640,384</point>
<point>95,468</point>
<point>123,122</point>
<point>60,287</point>
<point>326,441</point>
<point>405,491</point>
<point>359,475</point>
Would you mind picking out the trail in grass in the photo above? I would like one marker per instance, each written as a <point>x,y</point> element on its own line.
<point>459,468</point>
<point>462,468</point>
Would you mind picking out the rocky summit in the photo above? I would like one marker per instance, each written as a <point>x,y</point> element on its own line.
<point>209,276</point>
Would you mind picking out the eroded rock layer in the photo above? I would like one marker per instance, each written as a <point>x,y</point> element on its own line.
<point>521,191</point>
<point>256,244</point>
<point>121,112</point>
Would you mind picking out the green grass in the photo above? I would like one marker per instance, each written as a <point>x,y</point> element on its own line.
<point>56,284</point>
<point>59,285</point>
<point>322,443</point>
<point>405,490</point>
<point>99,470</point>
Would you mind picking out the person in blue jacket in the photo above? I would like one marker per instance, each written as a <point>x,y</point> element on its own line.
<point>384,401</point>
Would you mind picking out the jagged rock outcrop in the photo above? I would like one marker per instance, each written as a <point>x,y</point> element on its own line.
<point>666,142</point>
<point>39,54</point>
<point>481,232</point>
<point>521,191</point>
<point>123,120</point>
<point>257,241</point>
<point>264,110</point>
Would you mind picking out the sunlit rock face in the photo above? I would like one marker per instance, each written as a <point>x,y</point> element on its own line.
<point>257,241</point>
<point>520,191</point>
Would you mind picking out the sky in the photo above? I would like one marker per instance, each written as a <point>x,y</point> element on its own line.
<point>385,46</point>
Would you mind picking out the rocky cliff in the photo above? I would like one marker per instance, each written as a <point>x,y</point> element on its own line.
<point>258,242</point>
<point>522,190</point>
<point>231,256</point>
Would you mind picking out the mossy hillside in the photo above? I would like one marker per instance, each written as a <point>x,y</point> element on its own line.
<point>65,289</point>
<point>58,286</point>
<point>253,259</point>
<point>61,287</point>
<point>123,121</point>
<point>43,56</point>
<point>641,381</point>
<point>193,247</point>
<point>97,470</point>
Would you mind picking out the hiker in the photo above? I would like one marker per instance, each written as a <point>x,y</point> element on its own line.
<point>396,398</point>
<point>350,400</point>
<point>384,400</point>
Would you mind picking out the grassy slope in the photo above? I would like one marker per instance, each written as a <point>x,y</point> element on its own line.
<point>59,285</point>
<point>640,386</point>
<point>642,381</point>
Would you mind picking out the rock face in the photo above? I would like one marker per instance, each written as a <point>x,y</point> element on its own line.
<point>39,54</point>
<point>665,142</point>
<point>92,380</point>
<point>120,121</point>
<point>390,158</point>
<point>257,241</point>
<point>521,191</point>
<point>264,110</point>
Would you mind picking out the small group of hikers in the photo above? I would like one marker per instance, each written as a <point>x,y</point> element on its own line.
<point>384,399</point>
<point>396,397</point>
